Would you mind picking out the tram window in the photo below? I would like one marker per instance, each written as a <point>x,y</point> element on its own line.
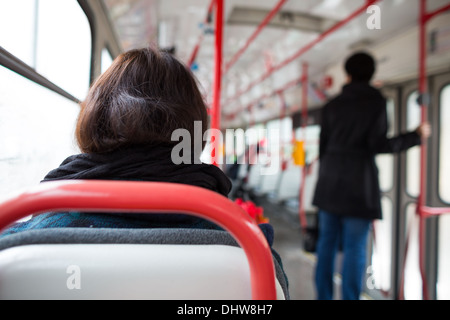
<point>63,51</point>
<point>286,130</point>
<point>413,118</point>
<point>382,249</point>
<point>37,130</point>
<point>286,137</point>
<point>413,280</point>
<point>310,136</point>
<point>106,59</point>
<point>273,141</point>
<point>256,134</point>
<point>273,126</point>
<point>19,18</point>
<point>51,36</point>
<point>443,277</point>
<point>385,162</point>
<point>444,148</point>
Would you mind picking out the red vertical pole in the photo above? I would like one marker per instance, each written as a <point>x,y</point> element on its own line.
<point>423,89</point>
<point>301,205</point>
<point>215,112</point>
<point>422,210</point>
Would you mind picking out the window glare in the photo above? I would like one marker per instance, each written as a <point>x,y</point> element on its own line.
<point>382,247</point>
<point>64,45</point>
<point>39,128</point>
<point>413,118</point>
<point>413,280</point>
<point>18,17</point>
<point>51,36</point>
<point>106,59</point>
<point>443,278</point>
<point>444,148</point>
<point>37,125</point>
<point>385,162</point>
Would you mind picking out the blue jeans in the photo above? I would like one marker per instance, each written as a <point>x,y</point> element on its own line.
<point>353,233</point>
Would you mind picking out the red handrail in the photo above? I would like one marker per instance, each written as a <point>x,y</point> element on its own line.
<point>217,85</point>
<point>265,95</point>
<point>142,197</point>
<point>303,49</point>
<point>257,31</point>
<point>200,38</point>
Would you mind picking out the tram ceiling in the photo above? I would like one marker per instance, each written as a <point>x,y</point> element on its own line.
<point>284,19</point>
<point>179,24</point>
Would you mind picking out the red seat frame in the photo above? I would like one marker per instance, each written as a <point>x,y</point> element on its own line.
<point>149,197</point>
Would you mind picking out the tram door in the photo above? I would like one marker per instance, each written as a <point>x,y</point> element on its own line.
<point>382,254</point>
<point>409,189</point>
<point>436,244</point>
<point>400,185</point>
<point>439,189</point>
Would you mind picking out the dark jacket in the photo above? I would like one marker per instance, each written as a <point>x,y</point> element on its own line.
<point>138,163</point>
<point>354,127</point>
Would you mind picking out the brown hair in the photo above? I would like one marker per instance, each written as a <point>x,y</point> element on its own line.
<point>141,99</point>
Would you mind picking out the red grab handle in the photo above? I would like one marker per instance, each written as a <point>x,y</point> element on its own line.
<point>147,197</point>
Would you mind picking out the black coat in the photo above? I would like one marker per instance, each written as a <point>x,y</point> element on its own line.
<point>354,127</point>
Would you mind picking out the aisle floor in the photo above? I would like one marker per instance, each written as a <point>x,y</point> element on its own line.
<point>298,264</point>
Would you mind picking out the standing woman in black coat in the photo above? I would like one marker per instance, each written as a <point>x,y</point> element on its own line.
<point>353,131</point>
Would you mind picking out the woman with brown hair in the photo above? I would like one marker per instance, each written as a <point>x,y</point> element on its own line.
<point>124,131</point>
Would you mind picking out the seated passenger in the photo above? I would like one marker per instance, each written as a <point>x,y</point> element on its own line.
<point>124,131</point>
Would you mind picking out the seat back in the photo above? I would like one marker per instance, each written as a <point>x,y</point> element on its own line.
<point>138,262</point>
<point>94,271</point>
<point>87,263</point>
